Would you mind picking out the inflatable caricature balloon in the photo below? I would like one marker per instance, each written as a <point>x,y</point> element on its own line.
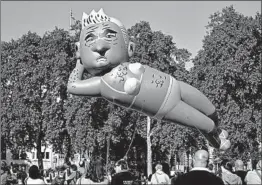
<point>104,50</point>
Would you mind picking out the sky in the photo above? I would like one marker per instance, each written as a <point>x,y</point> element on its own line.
<point>184,20</point>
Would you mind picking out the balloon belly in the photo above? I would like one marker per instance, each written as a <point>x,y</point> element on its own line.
<point>154,98</point>
<point>159,93</point>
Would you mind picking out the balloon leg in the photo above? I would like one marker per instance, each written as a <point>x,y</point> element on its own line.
<point>185,114</point>
<point>196,99</point>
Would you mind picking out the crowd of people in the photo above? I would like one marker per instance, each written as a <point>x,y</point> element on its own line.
<point>93,172</point>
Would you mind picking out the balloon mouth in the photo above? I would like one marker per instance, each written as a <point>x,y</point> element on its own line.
<point>102,60</point>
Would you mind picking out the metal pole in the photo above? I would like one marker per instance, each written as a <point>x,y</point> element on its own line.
<point>70,19</point>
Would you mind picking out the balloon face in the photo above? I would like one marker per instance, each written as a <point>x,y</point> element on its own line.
<point>102,47</point>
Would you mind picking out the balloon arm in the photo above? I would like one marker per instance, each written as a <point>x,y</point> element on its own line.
<point>88,87</point>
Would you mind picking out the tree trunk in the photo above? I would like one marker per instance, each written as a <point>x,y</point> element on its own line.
<point>39,147</point>
<point>175,160</point>
<point>3,147</point>
<point>107,150</point>
<point>149,149</point>
<point>68,148</point>
<point>169,156</point>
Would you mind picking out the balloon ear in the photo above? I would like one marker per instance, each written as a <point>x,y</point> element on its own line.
<point>131,49</point>
<point>77,48</point>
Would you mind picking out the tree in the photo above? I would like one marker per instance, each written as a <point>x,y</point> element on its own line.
<point>26,92</point>
<point>228,71</point>
<point>35,72</point>
<point>58,53</point>
<point>7,72</point>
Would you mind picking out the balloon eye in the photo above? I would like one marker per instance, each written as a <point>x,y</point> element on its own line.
<point>90,37</point>
<point>111,35</point>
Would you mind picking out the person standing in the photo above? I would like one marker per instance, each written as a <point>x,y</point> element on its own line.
<point>34,176</point>
<point>22,175</point>
<point>12,175</point>
<point>239,170</point>
<point>177,174</point>
<point>59,179</point>
<point>67,171</point>
<point>4,173</point>
<point>71,175</point>
<point>81,168</point>
<point>254,176</point>
<point>211,168</point>
<point>199,174</point>
<point>95,174</point>
<point>227,175</point>
<point>122,175</point>
<point>160,177</point>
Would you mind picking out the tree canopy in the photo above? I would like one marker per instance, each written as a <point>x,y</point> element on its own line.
<point>228,71</point>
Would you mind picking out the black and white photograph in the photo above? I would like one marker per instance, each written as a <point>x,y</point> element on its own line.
<point>131,92</point>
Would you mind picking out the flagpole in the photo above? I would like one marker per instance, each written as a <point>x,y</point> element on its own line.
<point>70,19</point>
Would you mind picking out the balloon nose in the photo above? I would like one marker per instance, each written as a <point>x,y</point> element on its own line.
<point>101,47</point>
